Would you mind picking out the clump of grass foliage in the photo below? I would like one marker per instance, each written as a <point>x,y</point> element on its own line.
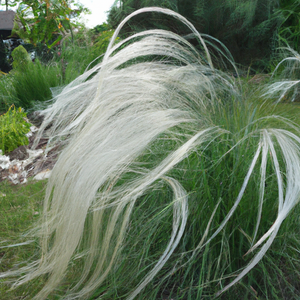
<point>174,182</point>
<point>28,82</point>
<point>34,83</point>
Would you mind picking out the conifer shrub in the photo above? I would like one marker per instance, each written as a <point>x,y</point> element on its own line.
<point>21,58</point>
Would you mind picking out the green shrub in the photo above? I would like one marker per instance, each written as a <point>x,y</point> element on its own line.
<point>13,129</point>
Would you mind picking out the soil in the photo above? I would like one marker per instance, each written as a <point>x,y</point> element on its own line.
<point>25,162</point>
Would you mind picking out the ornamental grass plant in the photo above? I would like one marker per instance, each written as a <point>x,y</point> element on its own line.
<point>34,83</point>
<point>176,181</point>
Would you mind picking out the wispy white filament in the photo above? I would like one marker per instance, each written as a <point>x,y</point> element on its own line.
<point>288,78</point>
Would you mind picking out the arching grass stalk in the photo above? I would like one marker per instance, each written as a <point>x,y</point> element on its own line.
<point>286,84</point>
<point>166,179</point>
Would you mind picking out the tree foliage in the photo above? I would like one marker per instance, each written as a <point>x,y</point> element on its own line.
<point>289,31</point>
<point>4,65</point>
<point>247,27</point>
<point>8,3</point>
<point>45,21</point>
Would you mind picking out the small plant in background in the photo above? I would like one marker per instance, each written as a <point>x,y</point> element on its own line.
<point>13,126</point>
<point>21,58</point>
